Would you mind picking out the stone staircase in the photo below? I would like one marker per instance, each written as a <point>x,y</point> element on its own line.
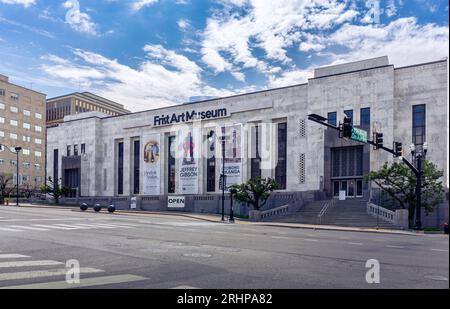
<point>306,215</point>
<point>349,213</point>
<point>353,213</point>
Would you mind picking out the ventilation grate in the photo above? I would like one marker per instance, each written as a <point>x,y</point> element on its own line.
<point>301,166</point>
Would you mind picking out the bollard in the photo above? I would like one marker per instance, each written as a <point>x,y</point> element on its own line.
<point>84,207</point>
<point>111,208</point>
<point>97,208</point>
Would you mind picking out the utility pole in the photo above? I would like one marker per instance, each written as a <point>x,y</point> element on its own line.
<point>346,130</point>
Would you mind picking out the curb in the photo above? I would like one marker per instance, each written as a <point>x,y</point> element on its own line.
<point>124,213</point>
<point>339,229</point>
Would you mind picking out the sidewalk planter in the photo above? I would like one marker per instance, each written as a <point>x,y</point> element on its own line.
<point>111,209</point>
<point>97,208</point>
<point>84,207</point>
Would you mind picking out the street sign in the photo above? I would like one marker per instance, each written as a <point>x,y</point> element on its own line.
<point>359,135</point>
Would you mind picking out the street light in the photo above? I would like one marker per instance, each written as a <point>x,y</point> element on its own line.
<point>419,155</point>
<point>232,193</point>
<point>16,151</point>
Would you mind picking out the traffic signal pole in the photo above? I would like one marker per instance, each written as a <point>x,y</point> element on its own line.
<point>417,171</point>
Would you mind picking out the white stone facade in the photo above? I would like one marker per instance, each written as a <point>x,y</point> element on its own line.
<point>389,92</point>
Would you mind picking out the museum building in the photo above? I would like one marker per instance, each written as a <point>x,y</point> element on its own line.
<point>182,150</point>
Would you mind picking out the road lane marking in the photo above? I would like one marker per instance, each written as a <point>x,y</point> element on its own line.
<point>309,239</point>
<point>9,230</point>
<point>184,287</point>
<point>13,256</point>
<point>28,263</point>
<point>355,243</point>
<point>31,228</point>
<point>440,250</point>
<point>88,282</point>
<point>44,273</point>
<point>279,237</point>
<point>53,227</point>
<point>395,247</point>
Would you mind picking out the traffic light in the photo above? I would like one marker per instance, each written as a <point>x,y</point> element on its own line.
<point>398,149</point>
<point>347,127</point>
<point>378,140</point>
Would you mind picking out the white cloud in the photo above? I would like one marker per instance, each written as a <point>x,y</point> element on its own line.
<point>403,40</point>
<point>231,39</point>
<point>25,3</point>
<point>78,20</point>
<point>183,24</point>
<point>163,78</point>
<point>140,4</point>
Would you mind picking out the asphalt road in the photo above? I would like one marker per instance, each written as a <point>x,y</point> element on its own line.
<point>143,251</point>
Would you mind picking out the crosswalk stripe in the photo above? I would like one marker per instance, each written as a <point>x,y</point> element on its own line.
<point>72,227</point>
<point>53,227</point>
<point>88,282</point>
<point>28,263</point>
<point>96,226</point>
<point>28,228</point>
<point>44,273</point>
<point>13,256</point>
<point>6,229</point>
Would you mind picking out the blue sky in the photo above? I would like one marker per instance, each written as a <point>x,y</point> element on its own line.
<point>152,53</point>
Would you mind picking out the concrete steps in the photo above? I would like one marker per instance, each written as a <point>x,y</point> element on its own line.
<point>349,213</point>
<point>353,213</point>
<point>306,215</point>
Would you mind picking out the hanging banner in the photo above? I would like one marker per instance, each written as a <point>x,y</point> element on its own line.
<point>188,172</point>
<point>233,154</point>
<point>152,164</point>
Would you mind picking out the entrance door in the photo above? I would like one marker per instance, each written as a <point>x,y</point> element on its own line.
<point>351,188</point>
<point>359,188</point>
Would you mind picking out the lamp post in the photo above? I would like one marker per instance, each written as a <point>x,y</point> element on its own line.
<point>16,151</point>
<point>232,193</point>
<point>420,155</point>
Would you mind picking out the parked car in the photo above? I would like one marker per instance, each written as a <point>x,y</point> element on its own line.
<point>446,228</point>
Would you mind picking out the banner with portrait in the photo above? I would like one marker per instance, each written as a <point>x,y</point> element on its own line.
<point>189,158</point>
<point>152,164</point>
<point>233,154</point>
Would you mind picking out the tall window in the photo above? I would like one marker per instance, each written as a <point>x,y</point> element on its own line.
<point>55,165</point>
<point>69,150</point>
<point>281,169</point>
<point>120,168</point>
<point>211,163</point>
<point>349,114</point>
<point>136,166</point>
<point>365,117</point>
<point>171,165</point>
<point>256,152</point>
<point>419,125</point>
<point>75,150</point>
<point>332,118</point>
<point>83,148</point>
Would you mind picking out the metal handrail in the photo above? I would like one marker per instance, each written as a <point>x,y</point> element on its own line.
<point>324,211</point>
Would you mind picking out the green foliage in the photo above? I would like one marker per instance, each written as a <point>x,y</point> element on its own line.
<point>399,182</point>
<point>5,189</point>
<point>53,188</point>
<point>255,192</point>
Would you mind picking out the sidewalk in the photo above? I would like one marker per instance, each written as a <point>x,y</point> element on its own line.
<point>217,219</point>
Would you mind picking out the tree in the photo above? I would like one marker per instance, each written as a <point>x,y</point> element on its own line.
<point>53,188</point>
<point>28,190</point>
<point>399,182</point>
<point>255,192</point>
<point>5,188</point>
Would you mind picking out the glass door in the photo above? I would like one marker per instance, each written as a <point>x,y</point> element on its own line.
<point>359,188</point>
<point>351,189</point>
